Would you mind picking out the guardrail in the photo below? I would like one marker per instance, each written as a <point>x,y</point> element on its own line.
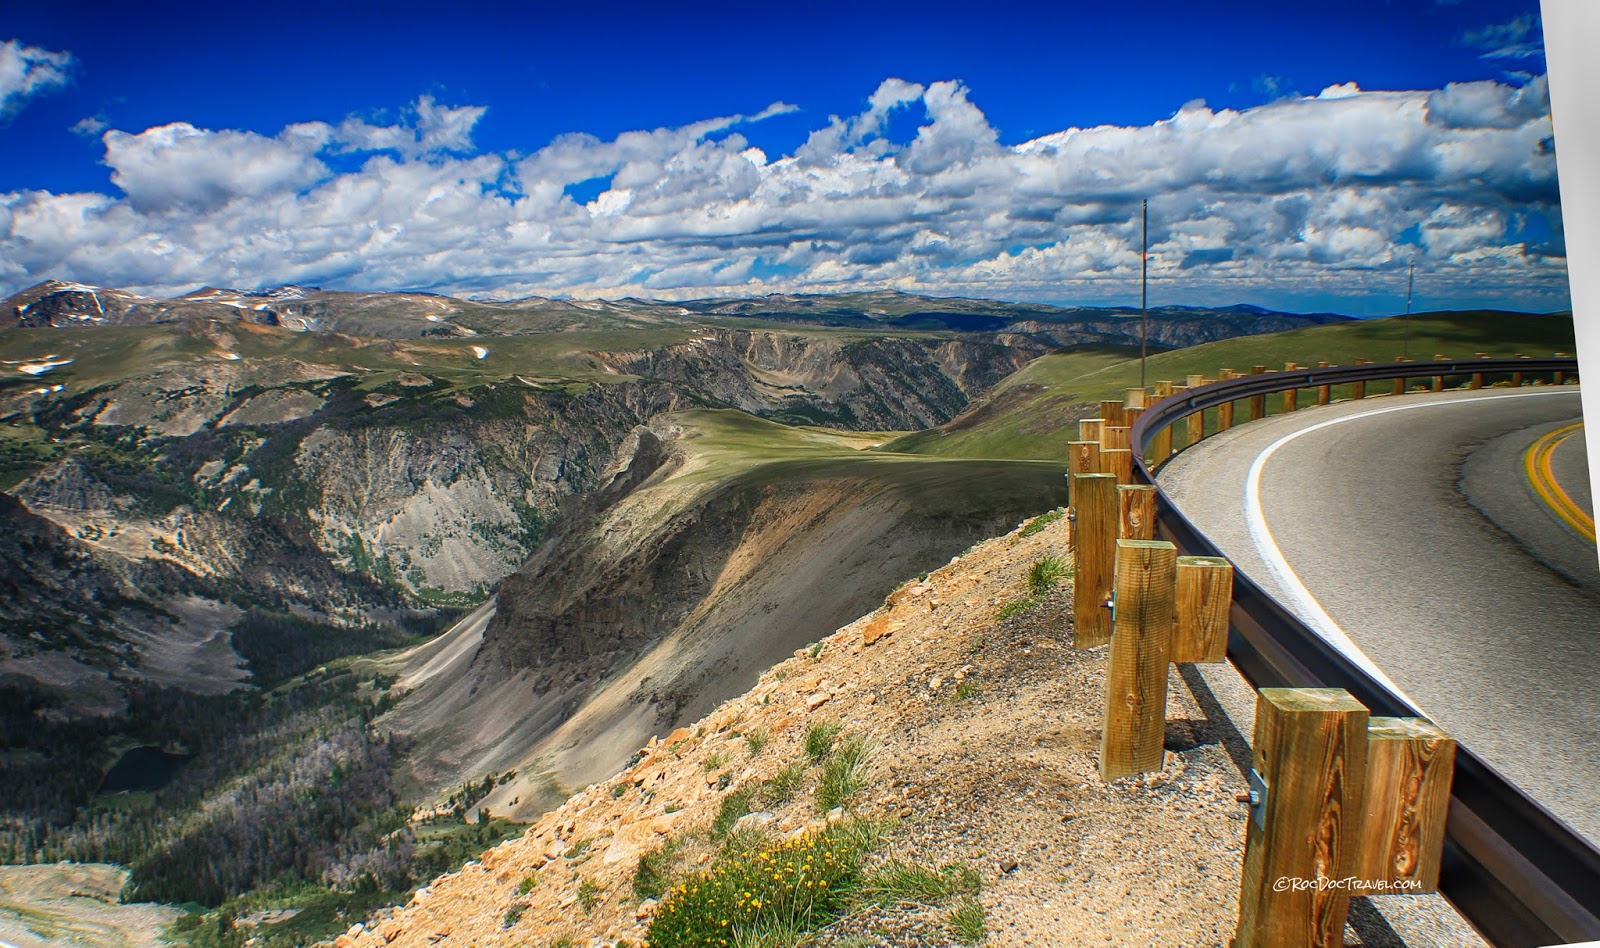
<point>1514,870</point>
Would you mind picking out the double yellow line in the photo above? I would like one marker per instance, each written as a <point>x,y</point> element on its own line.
<point>1537,464</point>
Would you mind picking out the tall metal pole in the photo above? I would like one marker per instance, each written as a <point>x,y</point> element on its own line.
<point>1144,287</point>
<point>1405,339</point>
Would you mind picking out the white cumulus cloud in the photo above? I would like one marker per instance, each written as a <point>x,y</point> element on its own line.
<point>28,71</point>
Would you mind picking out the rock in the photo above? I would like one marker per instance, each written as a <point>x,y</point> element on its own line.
<point>758,818</point>
<point>934,683</point>
<point>1008,866</point>
<point>877,629</point>
<point>813,702</point>
<point>344,941</point>
<point>646,909</point>
<point>836,814</point>
<point>390,930</point>
<point>354,931</point>
<point>681,734</point>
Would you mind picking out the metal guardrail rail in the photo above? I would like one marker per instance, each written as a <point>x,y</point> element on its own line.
<point>1513,869</point>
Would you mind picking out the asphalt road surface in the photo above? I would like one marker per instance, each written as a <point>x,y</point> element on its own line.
<point>1407,531</point>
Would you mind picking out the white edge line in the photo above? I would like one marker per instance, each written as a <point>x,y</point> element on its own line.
<point>1304,604</point>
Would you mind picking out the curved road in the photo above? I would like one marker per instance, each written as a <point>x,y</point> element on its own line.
<point>1408,532</point>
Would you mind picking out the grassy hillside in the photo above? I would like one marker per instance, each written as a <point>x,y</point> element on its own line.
<point>1034,412</point>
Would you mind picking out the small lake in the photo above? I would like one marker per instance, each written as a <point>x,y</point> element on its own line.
<point>142,769</point>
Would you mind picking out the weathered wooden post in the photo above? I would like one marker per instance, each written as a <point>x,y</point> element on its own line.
<point>1083,457</point>
<point>1111,411</point>
<point>1195,381</point>
<point>1136,512</point>
<point>1409,765</point>
<point>1324,392</point>
<point>1196,426</point>
<point>1477,377</point>
<point>1358,390</point>
<point>1224,416</point>
<point>1094,504</point>
<point>1258,403</point>
<point>1561,377</point>
<point>1117,462</point>
<point>1438,380</point>
<point>1163,389</point>
<point>1113,436</point>
<point>1291,397</point>
<point>1089,429</point>
<point>1136,676</point>
<point>1516,377</point>
<point>1134,398</point>
<point>1204,597</point>
<point>1309,762</point>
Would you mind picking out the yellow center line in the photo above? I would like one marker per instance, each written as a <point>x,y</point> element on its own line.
<point>1536,463</point>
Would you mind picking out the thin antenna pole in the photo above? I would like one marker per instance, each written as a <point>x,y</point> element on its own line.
<point>1411,282</point>
<point>1144,287</point>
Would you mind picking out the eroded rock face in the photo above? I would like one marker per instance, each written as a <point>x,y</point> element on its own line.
<point>874,385</point>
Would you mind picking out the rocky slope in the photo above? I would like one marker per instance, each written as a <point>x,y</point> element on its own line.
<point>671,588</point>
<point>983,745</point>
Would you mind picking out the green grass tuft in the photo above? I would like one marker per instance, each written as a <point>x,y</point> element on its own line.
<point>967,922</point>
<point>903,883</point>
<point>1046,573</point>
<point>589,894</point>
<point>652,877</point>
<point>819,739</point>
<point>734,806</point>
<point>1016,607</point>
<point>844,775</point>
<point>1043,520</point>
<point>757,741</point>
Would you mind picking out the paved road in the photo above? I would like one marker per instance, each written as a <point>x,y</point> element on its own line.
<point>1407,530</point>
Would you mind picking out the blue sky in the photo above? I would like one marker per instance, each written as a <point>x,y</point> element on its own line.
<point>386,146</point>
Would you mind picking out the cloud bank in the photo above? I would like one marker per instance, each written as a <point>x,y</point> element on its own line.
<point>1301,198</point>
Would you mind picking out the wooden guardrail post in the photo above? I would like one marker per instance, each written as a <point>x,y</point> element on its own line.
<point>1094,528</point>
<point>1258,403</point>
<point>1194,381</point>
<point>1438,380</point>
<point>1358,389</point>
<point>1132,739</point>
<point>1224,416</point>
<point>1203,599</point>
<point>1310,751</point>
<point>1291,396</point>
<point>1324,392</point>
<point>1134,398</point>
<point>1117,462</point>
<point>1409,765</point>
<point>1399,387</point>
<point>1516,377</point>
<point>1561,377</point>
<point>1161,445</point>
<point>1089,429</point>
<point>1136,512</point>
<point>1111,411</point>
<point>1196,428</point>
<point>1163,389</point>
<point>1083,457</point>
<point>1477,377</point>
